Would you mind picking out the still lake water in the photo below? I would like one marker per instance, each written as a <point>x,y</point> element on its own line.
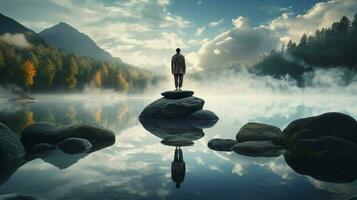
<point>138,166</point>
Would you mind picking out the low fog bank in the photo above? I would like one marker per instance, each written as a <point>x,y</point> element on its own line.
<point>334,82</point>
<point>229,82</point>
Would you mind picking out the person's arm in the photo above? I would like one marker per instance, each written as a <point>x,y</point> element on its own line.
<point>172,65</point>
<point>184,65</point>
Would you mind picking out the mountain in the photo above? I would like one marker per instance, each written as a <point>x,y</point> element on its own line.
<point>8,25</point>
<point>64,36</point>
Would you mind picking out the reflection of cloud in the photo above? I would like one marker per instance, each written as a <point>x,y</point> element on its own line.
<point>237,169</point>
<point>339,191</point>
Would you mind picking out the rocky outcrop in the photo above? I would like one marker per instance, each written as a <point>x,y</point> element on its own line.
<point>221,144</point>
<point>172,108</point>
<point>259,132</point>
<point>178,105</point>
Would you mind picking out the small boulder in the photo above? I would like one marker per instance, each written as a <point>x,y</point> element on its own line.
<point>259,132</point>
<point>172,108</point>
<point>221,144</point>
<point>328,124</point>
<point>74,145</point>
<point>177,94</point>
<point>203,119</point>
<point>257,149</point>
<point>177,141</point>
<point>95,134</point>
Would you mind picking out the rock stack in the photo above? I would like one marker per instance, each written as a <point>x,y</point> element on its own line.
<point>178,105</point>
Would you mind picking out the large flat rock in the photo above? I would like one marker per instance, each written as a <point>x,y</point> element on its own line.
<point>177,94</point>
<point>164,108</point>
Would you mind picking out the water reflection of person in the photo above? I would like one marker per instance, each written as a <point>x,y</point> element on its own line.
<point>178,167</point>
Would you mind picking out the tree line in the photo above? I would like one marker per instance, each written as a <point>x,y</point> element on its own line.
<point>45,68</point>
<point>335,46</point>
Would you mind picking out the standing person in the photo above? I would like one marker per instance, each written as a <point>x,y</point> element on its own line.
<point>178,68</point>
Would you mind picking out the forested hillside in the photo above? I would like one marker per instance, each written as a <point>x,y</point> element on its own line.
<point>335,46</point>
<point>42,67</point>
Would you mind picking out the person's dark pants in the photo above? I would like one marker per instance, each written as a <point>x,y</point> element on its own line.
<point>178,157</point>
<point>178,80</point>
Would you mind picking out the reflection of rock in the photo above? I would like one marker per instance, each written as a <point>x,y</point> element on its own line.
<point>61,159</point>
<point>17,197</point>
<point>74,145</point>
<point>39,133</point>
<point>259,132</point>
<point>328,124</point>
<point>166,129</point>
<point>177,94</point>
<point>326,158</point>
<point>257,149</point>
<point>11,153</point>
<point>221,144</point>
<point>172,108</point>
<point>177,141</point>
<point>98,136</point>
<point>41,148</point>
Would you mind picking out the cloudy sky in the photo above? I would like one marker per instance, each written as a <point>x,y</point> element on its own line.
<point>210,33</point>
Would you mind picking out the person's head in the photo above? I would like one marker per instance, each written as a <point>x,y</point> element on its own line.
<point>177,185</point>
<point>178,50</point>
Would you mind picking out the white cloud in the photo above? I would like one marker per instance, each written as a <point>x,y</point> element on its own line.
<point>323,14</point>
<point>242,44</point>
<point>215,23</point>
<point>199,31</point>
<point>239,21</point>
<point>17,39</point>
<point>245,44</point>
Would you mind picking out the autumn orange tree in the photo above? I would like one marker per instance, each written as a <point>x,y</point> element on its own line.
<point>30,73</point>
